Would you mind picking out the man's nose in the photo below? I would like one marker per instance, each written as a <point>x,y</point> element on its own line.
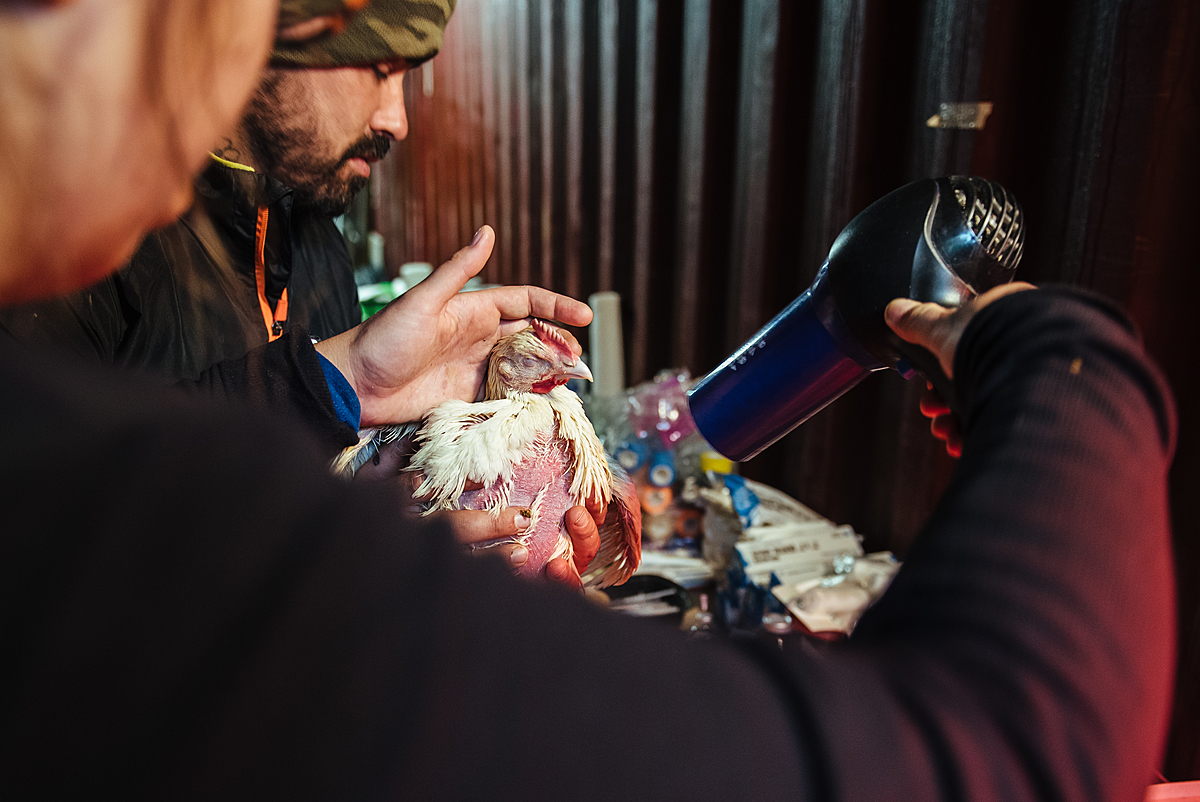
<point>390,118</point>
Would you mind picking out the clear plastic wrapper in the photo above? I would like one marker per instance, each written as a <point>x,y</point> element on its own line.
<point>835,602</point>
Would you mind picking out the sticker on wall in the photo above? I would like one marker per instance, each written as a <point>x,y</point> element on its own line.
<point>970,116</point>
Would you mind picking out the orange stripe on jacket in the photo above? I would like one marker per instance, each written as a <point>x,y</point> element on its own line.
<point>272,319</point>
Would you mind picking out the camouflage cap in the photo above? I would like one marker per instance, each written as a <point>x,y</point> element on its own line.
<point>383,31</point>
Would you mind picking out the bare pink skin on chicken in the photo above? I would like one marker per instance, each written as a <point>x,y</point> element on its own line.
<point>545,469</point>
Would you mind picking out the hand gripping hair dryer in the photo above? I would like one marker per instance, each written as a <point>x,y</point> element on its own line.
<point>943,240</point>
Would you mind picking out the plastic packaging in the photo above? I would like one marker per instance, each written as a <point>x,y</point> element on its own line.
<point>835,602</point>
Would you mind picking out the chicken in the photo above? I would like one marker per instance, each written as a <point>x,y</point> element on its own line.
<point>531,446</point>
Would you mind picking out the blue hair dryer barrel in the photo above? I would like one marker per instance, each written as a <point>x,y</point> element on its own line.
<point>942,240</point>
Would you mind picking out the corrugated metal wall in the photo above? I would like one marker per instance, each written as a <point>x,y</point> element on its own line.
<point>700,156</point>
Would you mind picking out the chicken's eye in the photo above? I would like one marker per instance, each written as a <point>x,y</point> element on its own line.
<point>530,362</point>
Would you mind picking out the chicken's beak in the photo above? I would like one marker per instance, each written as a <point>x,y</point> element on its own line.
<point>577,371</point>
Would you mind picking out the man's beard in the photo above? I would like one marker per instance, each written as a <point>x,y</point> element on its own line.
<point>284,151</point>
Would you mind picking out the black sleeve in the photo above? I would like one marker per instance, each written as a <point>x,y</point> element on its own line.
<point>251,628</point>
<point>283,377</point>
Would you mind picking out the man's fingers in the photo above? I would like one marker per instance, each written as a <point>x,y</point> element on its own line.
<point>514,554</point>
<point>597,508</point>
<point>915,321</point>
<point>943,427</point>
<point>585,536</point>
<point>933,404</point>
<point>473,527</point>
<point>515,303</point>
<point>561,571</point>
<point>939,329</point>
<point>445,282</point>
<point>508,327</point>
<point>486,534</point>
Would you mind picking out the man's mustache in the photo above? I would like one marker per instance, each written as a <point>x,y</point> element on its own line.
<point>371,148</point>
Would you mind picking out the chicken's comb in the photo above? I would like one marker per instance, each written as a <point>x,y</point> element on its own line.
<point>551,336</point>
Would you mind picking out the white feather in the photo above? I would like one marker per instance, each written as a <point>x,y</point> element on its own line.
<point>482,442</point>
<point>485,441</point>
<point>592,476</point>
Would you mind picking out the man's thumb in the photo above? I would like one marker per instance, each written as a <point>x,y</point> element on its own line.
<point>914,321</point>
<point>897,310</point>
<point>451,277</point>
<point>929,325</point>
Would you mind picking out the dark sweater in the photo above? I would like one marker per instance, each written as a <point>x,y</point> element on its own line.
<point>192,607</point>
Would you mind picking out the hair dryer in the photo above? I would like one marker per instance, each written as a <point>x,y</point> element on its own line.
<point>943,240</point>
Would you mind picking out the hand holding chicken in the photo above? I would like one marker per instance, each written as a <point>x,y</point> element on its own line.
<point>531,446</point>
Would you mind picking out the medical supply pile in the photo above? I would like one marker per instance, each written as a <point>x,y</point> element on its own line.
<point>769,558</point>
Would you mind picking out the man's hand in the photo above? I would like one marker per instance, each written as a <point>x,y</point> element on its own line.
<point>432,344</point>
<point>939,329</point>
<point>475,527</point>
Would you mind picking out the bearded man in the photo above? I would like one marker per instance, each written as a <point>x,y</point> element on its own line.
<point>258,252</point>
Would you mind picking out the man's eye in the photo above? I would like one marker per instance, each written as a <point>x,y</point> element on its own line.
<point>380,74</point>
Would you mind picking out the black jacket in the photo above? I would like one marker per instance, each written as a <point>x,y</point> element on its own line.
<point>190,296</point>
<point>193,608</point>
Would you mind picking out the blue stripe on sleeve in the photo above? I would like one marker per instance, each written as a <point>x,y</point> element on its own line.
<point>345,401</point>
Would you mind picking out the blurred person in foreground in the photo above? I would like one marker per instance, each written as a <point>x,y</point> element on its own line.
<point>256,258</point>
<point>291,637</point>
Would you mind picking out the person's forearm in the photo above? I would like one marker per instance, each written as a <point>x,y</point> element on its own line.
<point>1029,637</point>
